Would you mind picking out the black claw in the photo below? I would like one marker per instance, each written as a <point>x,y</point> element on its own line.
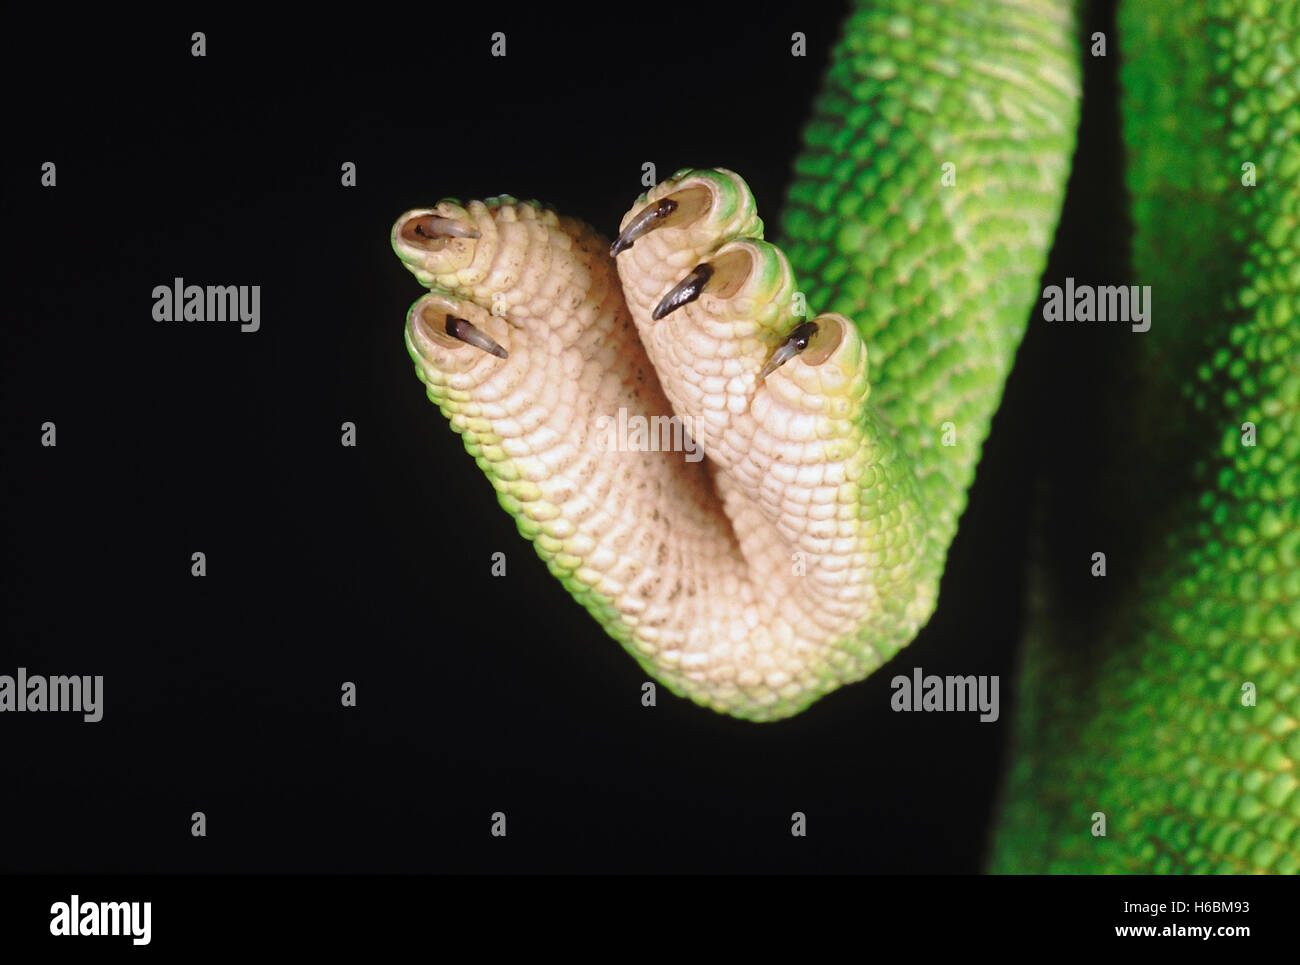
<point>646,221</point>
<point>685,291</point>
<point>802,335</point>
<point>790,346</point>
<point>459,328</point>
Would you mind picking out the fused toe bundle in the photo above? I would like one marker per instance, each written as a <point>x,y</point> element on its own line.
<point>797,559</point>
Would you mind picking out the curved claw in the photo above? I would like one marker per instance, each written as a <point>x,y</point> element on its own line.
<point>645,222</point>
<point>459,328</point>
<point>792,345</point>
<point>684,292</point>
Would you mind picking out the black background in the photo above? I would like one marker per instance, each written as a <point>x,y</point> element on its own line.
<point>371,564</point>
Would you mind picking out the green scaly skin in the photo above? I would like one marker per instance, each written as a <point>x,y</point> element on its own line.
<point>1137,711</point>
<point>939,277</point>
<point>921,215</point>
